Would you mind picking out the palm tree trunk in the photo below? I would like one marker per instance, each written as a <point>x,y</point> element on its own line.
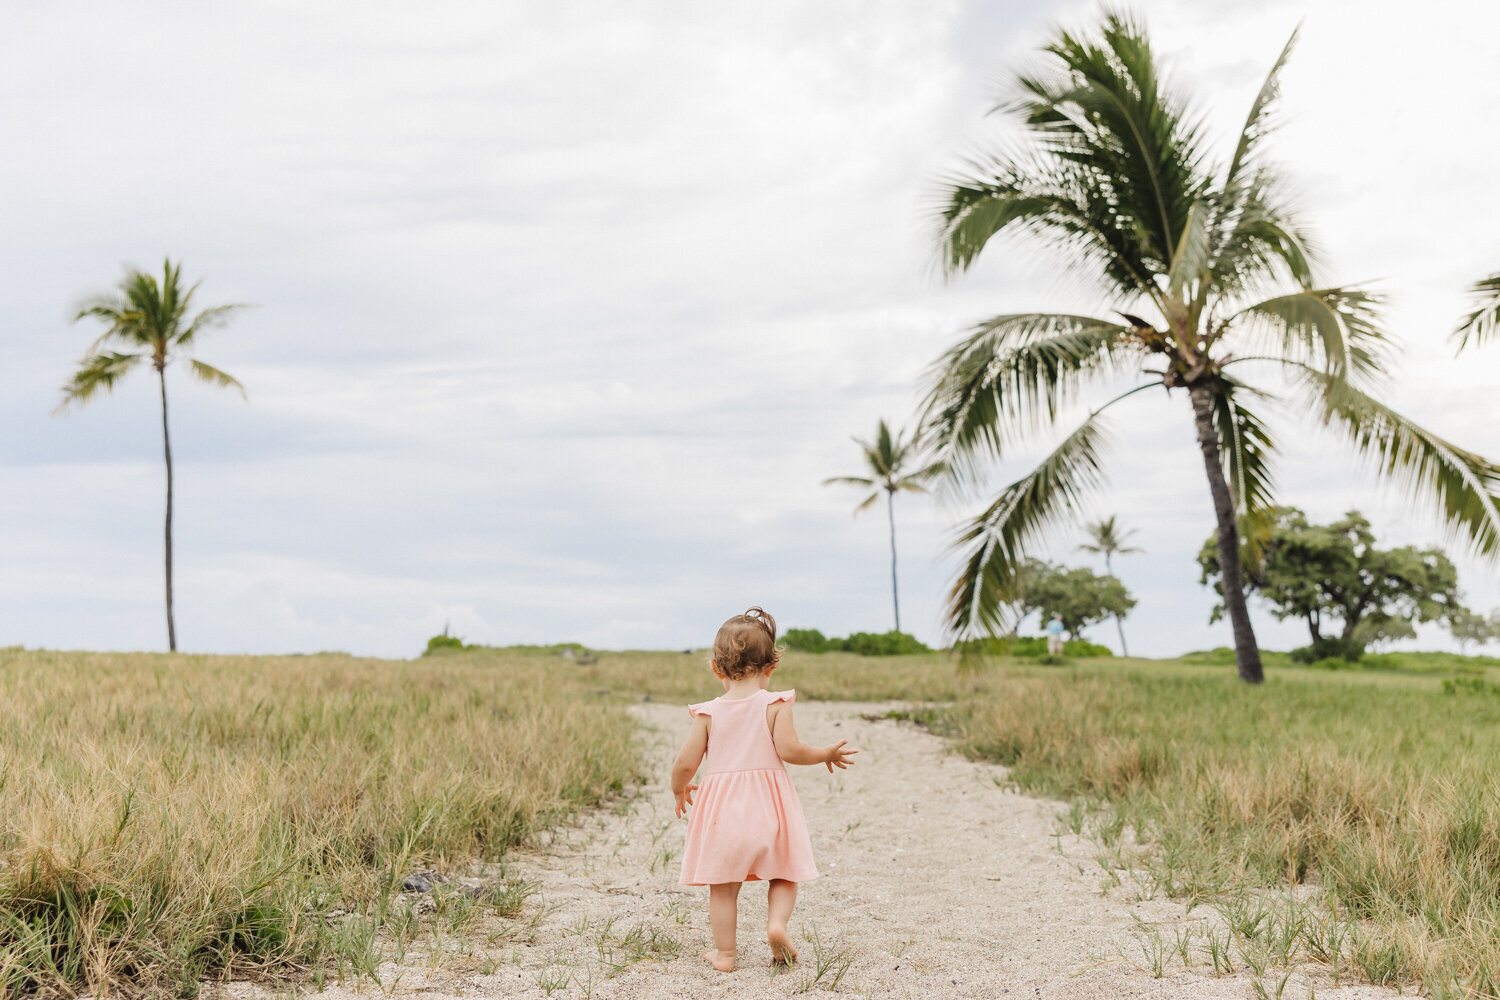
<point>1119,625</point>
<point>890,509</point>
<point>166,442</point>
<point>1246,653</point>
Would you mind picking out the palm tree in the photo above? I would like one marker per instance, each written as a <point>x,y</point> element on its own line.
<point>1107,539</point>
<point>1483,323</point>
<point>886,459</point>
<point>1118,178</point>
<point>147,321</point>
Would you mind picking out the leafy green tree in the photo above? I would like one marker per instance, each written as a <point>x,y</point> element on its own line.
<point>1077,595</point>
<point>887,458</point>
<point>1106,539</point>
<point>148,321</point>
<point>1483,322</point>
<point>1334,578</point>
<point>1215,280</point>
<point>1473,629</point>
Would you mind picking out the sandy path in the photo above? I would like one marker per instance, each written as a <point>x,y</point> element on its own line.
<point>936,882</point>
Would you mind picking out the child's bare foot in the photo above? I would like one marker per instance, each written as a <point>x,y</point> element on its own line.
<point>721,960</point>
<point>782,952</point>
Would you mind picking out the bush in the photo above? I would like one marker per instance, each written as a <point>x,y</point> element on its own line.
<point>806,640</point>
<point>810,640</point>
<point>1334,663</point>
<point>891,643</point>
<point>1035,645</point>
<point>1330,647</point>
<point>443,644</point>
<point>1470,685</point>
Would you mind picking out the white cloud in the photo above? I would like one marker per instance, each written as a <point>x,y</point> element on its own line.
<point>566,311</point>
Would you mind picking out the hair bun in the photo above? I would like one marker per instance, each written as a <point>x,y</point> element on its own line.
<point>759,616</point>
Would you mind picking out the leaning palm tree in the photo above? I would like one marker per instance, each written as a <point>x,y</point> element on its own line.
<point>147,321</point>
<point>1483,323</point>
<point>1213,280</point>
<point>1106,539</point>
<point>886,458</point>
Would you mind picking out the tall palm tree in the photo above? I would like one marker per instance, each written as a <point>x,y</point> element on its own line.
<point>1483,323</point>
<point>147,320</point>
<point>886,458</point>
<point>1117,177</point>
<point>1106,538</point>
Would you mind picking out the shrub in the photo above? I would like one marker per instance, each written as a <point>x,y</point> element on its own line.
<point>891,643</point>
<point>1469,685</point>
<point>1329,647</point>
<point>810,640</point>
<point>806,640</point>
<point>1334,663</point>
<point>1035,645</point>
<point>444,643</point>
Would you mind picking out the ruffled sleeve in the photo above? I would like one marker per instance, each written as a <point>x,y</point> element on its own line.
<point>787,696</point>
<point>702,708</point>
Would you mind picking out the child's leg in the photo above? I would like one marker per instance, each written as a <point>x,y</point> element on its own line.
<point>723,907</point>
<point>781,896</point>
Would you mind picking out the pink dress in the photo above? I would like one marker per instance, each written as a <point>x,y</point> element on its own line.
<point>746,822</point>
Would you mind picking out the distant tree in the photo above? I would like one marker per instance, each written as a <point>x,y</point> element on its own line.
<point>1334,578</point>
<point>1473,629</point>
<point>1105,538</point>
<point>1483,323</point>
<point>1078,596</point>
<point>888,458</point>
<point>147,320</point>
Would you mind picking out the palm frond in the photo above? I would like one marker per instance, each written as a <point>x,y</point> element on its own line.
<point>1061,202</point>
<point>996,543</point>
<point>208,373</point>
<point>1258,122</point>
<point>1190,258</point>
<point>1257,238</point>
<point>97,372</point>
<point>1010,376</point>
<point>1464,486</point>
<point>1334,329</point>
<point>848,481</point>
<point>1245,445</point>
<point>1103,105</point>
<point>1483,324</point>
<point>207,319</point>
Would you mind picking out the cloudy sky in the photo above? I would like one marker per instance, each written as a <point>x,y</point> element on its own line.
<point>564,311</point>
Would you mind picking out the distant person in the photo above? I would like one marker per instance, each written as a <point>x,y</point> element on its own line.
<point>1055,635</point>
<point>747,823</point>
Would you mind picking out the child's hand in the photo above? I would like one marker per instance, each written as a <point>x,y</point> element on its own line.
<point>685,799</point>
<point>837,757</point>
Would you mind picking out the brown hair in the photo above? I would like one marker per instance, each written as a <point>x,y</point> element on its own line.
<point>746,644</point>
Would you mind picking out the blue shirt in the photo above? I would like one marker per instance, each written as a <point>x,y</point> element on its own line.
<point>1054,627</point>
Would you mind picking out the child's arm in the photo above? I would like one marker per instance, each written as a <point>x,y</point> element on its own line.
<point>794,751</point>
<point>688,759</point>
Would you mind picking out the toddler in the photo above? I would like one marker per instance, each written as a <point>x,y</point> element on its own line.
<point>747,823</point>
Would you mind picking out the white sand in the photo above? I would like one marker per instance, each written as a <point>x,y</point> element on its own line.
<point>936,883</point>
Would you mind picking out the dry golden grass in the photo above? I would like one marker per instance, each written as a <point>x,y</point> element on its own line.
<point>167,817</point>
<point>1380,790</point>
